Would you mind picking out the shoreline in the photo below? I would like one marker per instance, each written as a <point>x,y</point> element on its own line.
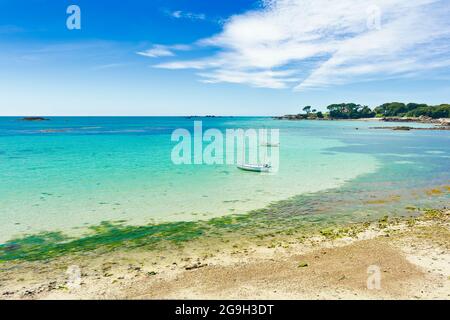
<point>406,128</point>
<point>412,252</point>
<point>438,122</point>
<point>308,213</point>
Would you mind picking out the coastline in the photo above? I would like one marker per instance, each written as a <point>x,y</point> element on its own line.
<point>427,120</point>
<point>412,252</point>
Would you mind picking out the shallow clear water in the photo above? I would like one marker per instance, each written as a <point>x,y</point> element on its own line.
<point>69,173</point>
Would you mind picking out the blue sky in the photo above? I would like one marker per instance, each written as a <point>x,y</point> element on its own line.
<point>240,57</point>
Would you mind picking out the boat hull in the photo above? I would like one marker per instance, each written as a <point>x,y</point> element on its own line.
<point>254,168</point>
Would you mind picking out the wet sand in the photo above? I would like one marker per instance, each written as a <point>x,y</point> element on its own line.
<point>412,254</point>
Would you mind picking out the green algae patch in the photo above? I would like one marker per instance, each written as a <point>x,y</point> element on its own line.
<point>383,222</point>
<point>256,225</point>
<point>296,218</point>
<point>328,233</point>
<point>107,235</point>
<point>229,222</point>
<point>434,214</point>
<point>345,231</point>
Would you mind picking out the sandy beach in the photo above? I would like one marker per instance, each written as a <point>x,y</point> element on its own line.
<point>224,150</point>
<point>412,254</point>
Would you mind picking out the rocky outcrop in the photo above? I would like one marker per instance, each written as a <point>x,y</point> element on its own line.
<point>421,119</point>
<point>34,119</point>
<point>292,117</point>
<point>405,128</point>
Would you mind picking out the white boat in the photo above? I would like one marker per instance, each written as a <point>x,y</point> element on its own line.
<point>254,167</point>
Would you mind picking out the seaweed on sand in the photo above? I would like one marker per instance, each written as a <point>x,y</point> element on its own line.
<point>106,236</point>
<point>301,214</point>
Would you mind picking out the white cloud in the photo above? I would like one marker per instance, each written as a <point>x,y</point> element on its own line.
<point>263,79</point>
<point>159,50</point>
<point>319,43</point>
<point>187,15</point>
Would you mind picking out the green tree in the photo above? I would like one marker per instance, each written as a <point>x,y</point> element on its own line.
<point>441,111</point>
<point>391,109</point>
<point>349,111</point>
<point>307,109</point>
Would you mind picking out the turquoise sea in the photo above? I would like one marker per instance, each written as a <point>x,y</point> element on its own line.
<point>69,173</point>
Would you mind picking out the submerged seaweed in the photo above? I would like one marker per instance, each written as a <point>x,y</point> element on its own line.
<point>306,213</point>
<point>109,235</point>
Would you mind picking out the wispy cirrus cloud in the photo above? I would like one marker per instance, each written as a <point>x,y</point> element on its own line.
<point>178,14</point>
<point>307,44</point>
<point>159,50</point>
<point>9,28</point>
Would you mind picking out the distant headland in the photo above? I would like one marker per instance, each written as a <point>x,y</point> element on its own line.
<point>392,111</point>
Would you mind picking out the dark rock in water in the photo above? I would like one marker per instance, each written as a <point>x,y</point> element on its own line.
<point>34,119</point>
<point>406,119</point>
<point>421,119</point>
<point>404,128</point>
<point>395,128</point>
<point>292,117</point>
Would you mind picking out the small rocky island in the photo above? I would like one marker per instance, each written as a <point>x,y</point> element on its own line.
<point>35,119</point>
<point>406,128</point>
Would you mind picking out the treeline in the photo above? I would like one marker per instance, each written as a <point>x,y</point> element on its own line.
<point>392,109</point>
<point>398,109</point>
